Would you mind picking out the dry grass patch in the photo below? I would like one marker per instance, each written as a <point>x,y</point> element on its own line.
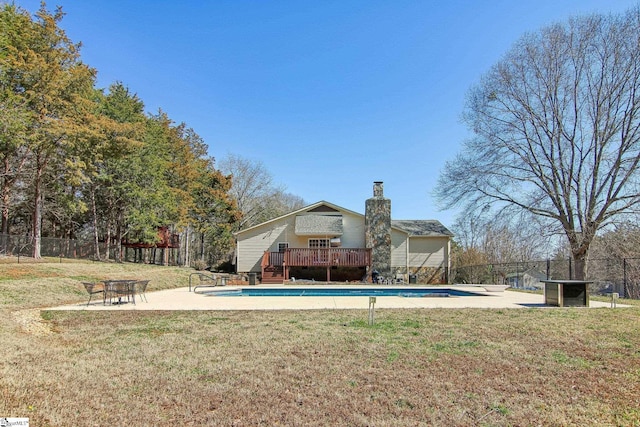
<point>414,367</point>
<point>441,367</point>
<point>47,284</point>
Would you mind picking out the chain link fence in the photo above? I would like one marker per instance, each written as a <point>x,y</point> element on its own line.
<point>608,275</point>
<point>21,247</point>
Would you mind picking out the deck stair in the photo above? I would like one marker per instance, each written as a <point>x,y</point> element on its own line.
<point>272,275</point>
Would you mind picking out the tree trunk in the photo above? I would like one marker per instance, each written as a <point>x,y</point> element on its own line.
<point>580,266</point>
<point>108,241</point>
<point>579,252</point>
<point>96,241</point>
<point>37,223</point>
<point>186,260</point>
<point>37,210</point>
<point>5,209</point>
<point>7,185</point>
<point>5,215</point>
<point>119,240</point>
<point>201,246</point>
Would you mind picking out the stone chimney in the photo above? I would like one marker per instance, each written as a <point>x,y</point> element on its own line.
<point>377,226</point>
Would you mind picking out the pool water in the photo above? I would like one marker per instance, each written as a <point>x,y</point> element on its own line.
<point>341,292</point>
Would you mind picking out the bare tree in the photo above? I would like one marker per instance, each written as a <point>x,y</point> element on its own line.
<point>481,240</point>
<point>251,182</point>
<point>258,198</point>
<point>469,231</point>
<point>622,241</point>
<point>556,130</point>
<point>513,242</point>
<point>619,247</point>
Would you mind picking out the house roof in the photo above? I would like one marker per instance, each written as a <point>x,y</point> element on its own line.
<point>303,210</point>
<point>421,227</point>
<point>533,272</point>
<point>313,225</point>
<point>414,228</point>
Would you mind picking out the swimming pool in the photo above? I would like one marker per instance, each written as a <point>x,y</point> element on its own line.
<point>340,292</point>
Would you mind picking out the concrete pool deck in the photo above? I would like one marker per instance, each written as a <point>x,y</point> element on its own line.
<point>182,299</point>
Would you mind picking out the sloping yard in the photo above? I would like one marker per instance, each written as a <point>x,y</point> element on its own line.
<point>413,367</point>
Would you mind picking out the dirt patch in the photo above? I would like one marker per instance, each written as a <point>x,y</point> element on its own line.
<point>31,322</point>
<point>23,272</point>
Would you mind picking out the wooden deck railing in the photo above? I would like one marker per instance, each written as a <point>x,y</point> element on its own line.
<point>280,262</point>
<point>272,258</point>
<point>327,257</point>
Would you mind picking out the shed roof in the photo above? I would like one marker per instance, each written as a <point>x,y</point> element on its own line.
<point>420,227</point>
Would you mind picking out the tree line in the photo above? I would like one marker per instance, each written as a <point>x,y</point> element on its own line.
<point>487,249</point>
<point>555,133</point>
<point>78,161</point>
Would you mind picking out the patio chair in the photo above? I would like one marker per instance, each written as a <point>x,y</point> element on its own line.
<point>119,289</point>
<point>141,289</point>
<point>93,289</point>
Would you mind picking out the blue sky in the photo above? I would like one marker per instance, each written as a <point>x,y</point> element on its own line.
<point>329,95</point>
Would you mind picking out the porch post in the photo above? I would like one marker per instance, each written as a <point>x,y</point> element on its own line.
<point>329,263</point>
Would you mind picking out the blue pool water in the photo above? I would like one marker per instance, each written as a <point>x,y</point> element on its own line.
<point>341,292</point>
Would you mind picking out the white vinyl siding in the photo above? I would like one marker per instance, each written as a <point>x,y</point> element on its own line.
<point>398,250</point>
<point>252,245</point>
<point>353,231</point>
<point>412,252</point>
<point>254,242</point>
<point>428,252</point>
<point>422,251</point>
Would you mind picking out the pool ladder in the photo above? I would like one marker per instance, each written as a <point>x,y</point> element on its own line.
<point>207,280</point>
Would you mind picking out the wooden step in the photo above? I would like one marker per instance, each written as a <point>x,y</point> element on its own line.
<point>272,275</point>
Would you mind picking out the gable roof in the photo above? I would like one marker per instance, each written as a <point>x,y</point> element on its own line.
<point>415,228</point>
<point>421,227</point>
<point>312,225</point>
<point>308,208</point>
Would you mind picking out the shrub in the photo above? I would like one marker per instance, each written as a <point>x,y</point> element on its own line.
<point>199,264</point>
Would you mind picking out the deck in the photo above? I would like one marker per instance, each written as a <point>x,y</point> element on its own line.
<point>275,265</point>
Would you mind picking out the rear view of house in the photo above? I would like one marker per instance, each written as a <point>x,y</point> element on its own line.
<point>326,242</point>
